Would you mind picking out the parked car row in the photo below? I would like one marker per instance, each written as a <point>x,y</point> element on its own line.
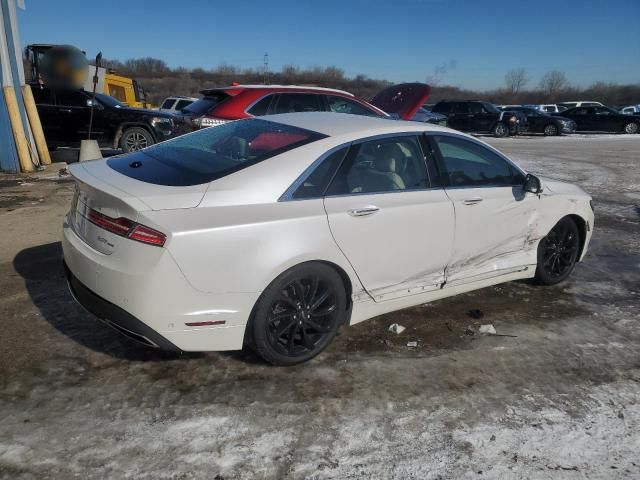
<point>65,113</point>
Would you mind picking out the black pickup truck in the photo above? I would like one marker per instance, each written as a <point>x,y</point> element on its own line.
<point>64,114</point>
<point>481,117</point>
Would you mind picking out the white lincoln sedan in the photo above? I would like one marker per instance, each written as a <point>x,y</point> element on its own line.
<point>274,232</point>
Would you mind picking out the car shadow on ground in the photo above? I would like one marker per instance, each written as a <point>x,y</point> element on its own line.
<point>41,268</point>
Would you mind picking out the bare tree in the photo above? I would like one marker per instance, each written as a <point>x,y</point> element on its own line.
<point>553,82</point>
<point>516,79</point>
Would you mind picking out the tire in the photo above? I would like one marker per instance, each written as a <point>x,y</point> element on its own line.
<point>631,127</point>
<point>135,138</point>
<point>298,315</point>
<point>558,253</point>
<point>551,130</point>
<point>501,130</point>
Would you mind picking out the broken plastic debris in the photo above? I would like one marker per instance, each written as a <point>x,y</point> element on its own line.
<point>469,331</point>
<point>412,344</point>
<point>487,329</point>
<point>396,328</point>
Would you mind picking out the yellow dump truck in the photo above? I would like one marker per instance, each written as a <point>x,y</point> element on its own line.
<point>126,90</point>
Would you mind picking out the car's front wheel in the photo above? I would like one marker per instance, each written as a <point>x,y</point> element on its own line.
<point>551,130</point>
<point>135,138</point>
<point>631,127</point>
<point>558,253</point>
<point>501,130</point>
<point>298,315</point>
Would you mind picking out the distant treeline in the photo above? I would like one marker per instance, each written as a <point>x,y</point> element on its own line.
<point>161,81</point>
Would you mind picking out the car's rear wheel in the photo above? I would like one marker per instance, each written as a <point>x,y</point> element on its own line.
<point>501,130</point>
<point>135,138</point>
<point>298,315</point>
<point>631,127</point>
<point>558,253</point>
<point>551,130</point>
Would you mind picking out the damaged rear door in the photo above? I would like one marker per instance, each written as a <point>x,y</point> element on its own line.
<point>390,221</point>
<point>495,218</point>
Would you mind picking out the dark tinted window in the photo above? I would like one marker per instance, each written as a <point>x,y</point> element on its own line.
<point>344,105</point>
<point>469,164</point>
<point>182,103</point>
<point>211,153</point>
<point>442,107</point>
<point>168,103</point>
<point>316,183</point>
<point>206,104</point>
<point>460,107</point>
<point>476,108</point>
<point>261,107</point>
<point>71,98</point>
<point>42,96</point>
<point>382,166</point>
<point>297,102</point>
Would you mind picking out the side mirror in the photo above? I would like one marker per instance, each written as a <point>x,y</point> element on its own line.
<point>532,184</point>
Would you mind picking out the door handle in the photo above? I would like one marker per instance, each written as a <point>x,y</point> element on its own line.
<point>363,211</point>
<point>472,201</point>
<point>66,110</point>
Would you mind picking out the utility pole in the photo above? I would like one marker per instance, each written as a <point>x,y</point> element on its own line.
<point>265,69</point>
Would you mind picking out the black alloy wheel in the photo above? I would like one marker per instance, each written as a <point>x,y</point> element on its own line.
<point>558,253</point>
<point>299,314</point>
<point>551,130</point>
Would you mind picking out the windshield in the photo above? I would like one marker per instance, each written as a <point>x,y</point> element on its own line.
<point>109,101</point>
<point>212,153</point>
<point>206,104</point>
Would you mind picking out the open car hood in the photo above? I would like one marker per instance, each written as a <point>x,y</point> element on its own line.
<point>403,99</point>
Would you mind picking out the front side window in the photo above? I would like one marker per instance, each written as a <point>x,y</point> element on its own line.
<point>71,98</point>
<point>344,105</point>
<point>468,164</point>
<point>385,165</point>
<point>212,153</point>
<point>298,102</point>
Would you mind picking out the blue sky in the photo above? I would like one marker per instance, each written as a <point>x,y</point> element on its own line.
<point>468,43</point>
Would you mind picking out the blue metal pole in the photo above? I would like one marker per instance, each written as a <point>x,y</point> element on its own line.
<point>8,155</point>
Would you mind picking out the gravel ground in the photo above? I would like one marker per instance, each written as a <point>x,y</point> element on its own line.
<point>557,398</point>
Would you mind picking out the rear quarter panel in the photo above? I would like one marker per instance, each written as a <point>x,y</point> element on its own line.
<point>243,248</point>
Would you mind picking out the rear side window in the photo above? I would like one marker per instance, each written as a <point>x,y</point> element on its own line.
<point>317,182</point>
<point>206,104</point>
<point>261,107</point>
<point>298,102</point>
<point>212,153</point>
<point>344,105</point>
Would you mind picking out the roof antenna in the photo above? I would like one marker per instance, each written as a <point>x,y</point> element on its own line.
<point>265,69</point>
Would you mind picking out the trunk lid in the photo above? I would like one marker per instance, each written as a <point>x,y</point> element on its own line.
<point>104,190</point>
<point>404,99</point>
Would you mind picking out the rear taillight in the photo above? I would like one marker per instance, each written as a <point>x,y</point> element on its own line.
<point>124,227</point>
<point>203,122</point>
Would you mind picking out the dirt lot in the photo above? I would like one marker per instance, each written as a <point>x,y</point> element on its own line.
<point>557,399</point>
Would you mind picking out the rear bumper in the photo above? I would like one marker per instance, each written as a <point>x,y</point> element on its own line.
<point>115,316</point>
<point>140,291</point>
